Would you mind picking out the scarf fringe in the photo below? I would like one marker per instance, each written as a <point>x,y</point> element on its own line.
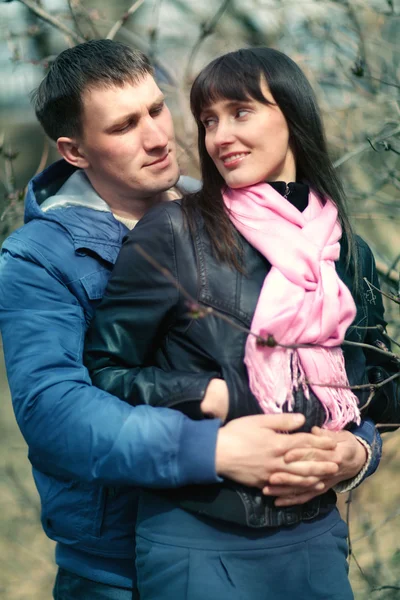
<point>273,381</point>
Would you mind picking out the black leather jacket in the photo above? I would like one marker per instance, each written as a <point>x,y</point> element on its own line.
<point>146,347</point>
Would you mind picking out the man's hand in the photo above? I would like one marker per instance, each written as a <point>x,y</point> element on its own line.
<point>250,449</point>
<point>349,455</point>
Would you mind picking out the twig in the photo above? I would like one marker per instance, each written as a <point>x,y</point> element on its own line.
<point>115,28</point>
<point>360,569</point>
<point>395,85</point>
<point>348,507</point>
<point>207,29</point>
<point>369,347</point>
<point>9,157</point>
<point>187,149</point>
<point>45,16</point>
<point>389,273</point>
<point>75,19</point>
<point>381,331</point>
<point>200,311</point>
<point>153,31</point>
<point>390,517</point>
<point>390,296</point>
<point>89,19</point>
<point>361,386</point>
<point>144,46</point>
<point>374,217</point>
<point>44,157</point>
<point>366,146</point>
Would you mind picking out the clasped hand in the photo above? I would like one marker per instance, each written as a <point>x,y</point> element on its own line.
<point>293,468</point>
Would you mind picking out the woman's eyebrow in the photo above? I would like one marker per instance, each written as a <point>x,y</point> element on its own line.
<point>226,104</point>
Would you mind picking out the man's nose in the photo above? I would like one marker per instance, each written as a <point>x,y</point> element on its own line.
<point>153,135</point>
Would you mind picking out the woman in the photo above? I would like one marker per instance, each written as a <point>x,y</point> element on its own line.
<point>263,256</point>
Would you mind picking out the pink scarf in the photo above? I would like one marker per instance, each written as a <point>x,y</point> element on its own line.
<point>302,301</point>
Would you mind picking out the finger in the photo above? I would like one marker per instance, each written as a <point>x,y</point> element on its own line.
<point>308,440</point>
<point>283,422</point>
<point>289,490</point>
<point>323,432</point>
<point>289,479</point>
<point>308,454</point>
<point>296,499</point>
<point>311,468</point>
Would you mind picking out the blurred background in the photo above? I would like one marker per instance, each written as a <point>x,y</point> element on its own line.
<point>350,51</point>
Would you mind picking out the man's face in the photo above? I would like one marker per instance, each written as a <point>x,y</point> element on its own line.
<point>128,141</point>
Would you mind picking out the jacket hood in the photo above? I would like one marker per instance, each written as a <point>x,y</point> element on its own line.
<point>62,186</point>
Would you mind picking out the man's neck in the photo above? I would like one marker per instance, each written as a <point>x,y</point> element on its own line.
<point>134,208</point>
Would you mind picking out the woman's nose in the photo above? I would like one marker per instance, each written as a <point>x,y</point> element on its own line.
<point>223,134</point>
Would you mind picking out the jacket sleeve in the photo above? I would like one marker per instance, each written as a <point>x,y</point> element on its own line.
<point>72,428</point>
<point>132,322</point>
<point>385,405</point>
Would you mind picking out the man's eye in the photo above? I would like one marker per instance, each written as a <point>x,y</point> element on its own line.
<point>123,128</point>
<point>157,110</point>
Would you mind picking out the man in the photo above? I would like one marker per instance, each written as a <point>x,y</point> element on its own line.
<point>88,449</point>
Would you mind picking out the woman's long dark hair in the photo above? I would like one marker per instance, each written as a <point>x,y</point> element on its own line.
<point>238,76</point>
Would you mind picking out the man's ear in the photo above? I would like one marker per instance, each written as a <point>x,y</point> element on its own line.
<point>71,150</point>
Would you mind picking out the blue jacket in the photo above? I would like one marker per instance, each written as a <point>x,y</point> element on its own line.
<point>88,449</point>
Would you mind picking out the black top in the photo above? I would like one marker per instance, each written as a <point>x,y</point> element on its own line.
<point>296,193</point>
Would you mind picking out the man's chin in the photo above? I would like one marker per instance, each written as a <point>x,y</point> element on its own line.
<point>170,180</point>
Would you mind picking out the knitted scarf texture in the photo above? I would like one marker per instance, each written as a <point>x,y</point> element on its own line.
<point>302,301</point>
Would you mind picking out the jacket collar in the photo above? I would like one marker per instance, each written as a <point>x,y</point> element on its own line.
<point>87,217</point>
<point>84,215</point>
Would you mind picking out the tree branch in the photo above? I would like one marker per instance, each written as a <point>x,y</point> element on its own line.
<point>45,16</point>
<point>115,28</point>
<point>366,146</point>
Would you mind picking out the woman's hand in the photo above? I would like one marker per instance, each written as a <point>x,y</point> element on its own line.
<point>349,454</point>
<point>216,400</point>
<point>251,449</point>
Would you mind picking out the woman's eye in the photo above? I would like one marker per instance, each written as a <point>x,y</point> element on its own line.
<point>242,112</point>
<point>208,122</point>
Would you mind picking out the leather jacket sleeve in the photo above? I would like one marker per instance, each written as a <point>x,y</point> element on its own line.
<point>385,405</point>
<point>131,324</point>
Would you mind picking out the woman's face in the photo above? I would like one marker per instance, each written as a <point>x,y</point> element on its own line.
<point>249,141</point>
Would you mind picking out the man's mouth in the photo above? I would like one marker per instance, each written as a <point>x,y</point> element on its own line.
<point>158,161</point>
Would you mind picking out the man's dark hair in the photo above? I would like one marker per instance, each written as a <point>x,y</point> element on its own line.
<point>98,63</point>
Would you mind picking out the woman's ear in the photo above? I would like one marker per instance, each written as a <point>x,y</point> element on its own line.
<point>71,150</point>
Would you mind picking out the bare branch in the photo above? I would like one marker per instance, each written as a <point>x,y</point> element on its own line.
<point>389,273</point>
<point>361,386</point>
<point>390,296</point>
<point>199,311</point>
<point>44,157</point>
<point>366,146</point>
<point>381,330</point>
<point>207,29</point>
<point>115,28</point>
<point>369,347</point>
<point>386,587</point>
<point>75,19</point>
<point>45,16</point>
